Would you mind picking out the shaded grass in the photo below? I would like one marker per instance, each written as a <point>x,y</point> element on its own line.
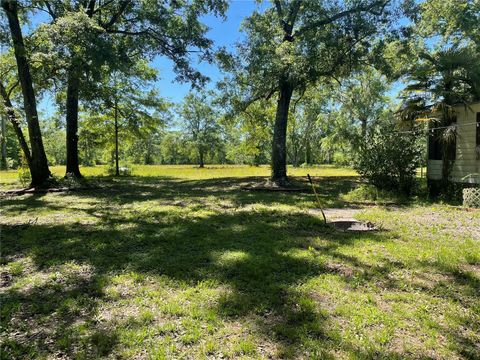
<point>175,267</point>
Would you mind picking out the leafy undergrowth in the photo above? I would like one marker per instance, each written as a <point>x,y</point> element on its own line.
<point>370,194</point>
<point>181,268</point>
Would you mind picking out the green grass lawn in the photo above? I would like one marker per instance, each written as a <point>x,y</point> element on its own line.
<point>9,179</point>
<point>181,263</point>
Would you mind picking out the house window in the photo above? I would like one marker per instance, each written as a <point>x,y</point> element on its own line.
<point>436,143</point>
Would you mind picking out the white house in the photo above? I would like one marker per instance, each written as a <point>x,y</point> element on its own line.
<point>466,166</point>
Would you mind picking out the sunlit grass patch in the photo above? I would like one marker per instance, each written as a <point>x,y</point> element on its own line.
<point>9,179</point>
<point>192,267</point>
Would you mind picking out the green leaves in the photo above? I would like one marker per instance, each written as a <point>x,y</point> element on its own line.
<point>445,64</point>
<point>452,19</point>
<point>304,42</point>
<point>389,159</point>
<point>199,118</point>
<point>449,76</point>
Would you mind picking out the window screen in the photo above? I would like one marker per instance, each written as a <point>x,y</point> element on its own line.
<point>434,145</point>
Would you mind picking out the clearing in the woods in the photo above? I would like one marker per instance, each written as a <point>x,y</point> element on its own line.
<point>178,262</point>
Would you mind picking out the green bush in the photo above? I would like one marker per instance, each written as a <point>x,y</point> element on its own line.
<point>389,158</point>
<point>341,158</point>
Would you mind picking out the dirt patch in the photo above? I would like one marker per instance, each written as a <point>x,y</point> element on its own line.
<point>5,279</point>
<point>269,187</point>
<point>343,219</point>
<point>467,225</point>
<point>17,192</point>
<point>349,225</point>
<point>341,269</point>
<point>337,213</point>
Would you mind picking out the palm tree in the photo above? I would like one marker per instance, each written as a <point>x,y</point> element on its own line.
<point>439,81</point>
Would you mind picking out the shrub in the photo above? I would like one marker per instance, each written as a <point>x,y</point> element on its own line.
<point>389,159</point>
<point>341,158</point>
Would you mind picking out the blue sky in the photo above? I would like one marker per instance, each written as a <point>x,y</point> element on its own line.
<point>223,32</point>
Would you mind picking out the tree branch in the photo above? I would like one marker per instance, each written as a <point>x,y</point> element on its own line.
<point>15,124</point>
<point>50,9</point>
<point>292,16</point>
<point>366,8</point>
<point>117,15</point>
<point>9,92</point>
<point>102,6</point>
<point>278,6</point>
<point>91,8</point>
<point>299,98</point>
<point>127,32</point>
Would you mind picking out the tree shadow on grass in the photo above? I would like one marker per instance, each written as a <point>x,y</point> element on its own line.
<point>50,313</point>
<point>211,193</point>
<point>260,256</point>
<point>261,281</point>
<point>131,189</point>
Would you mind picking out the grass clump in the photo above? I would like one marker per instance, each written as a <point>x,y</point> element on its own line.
<point>370,193</point>
<point>245,347</point>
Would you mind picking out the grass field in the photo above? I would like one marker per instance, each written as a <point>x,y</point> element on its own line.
<point>179,262</point>
<point>9,179</point>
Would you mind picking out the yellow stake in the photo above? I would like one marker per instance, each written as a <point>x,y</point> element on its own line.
<point>316,196</point>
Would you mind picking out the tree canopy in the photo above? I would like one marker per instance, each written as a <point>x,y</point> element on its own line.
<point>309,81</point>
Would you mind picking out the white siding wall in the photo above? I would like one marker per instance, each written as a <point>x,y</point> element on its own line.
<point>467,162</point>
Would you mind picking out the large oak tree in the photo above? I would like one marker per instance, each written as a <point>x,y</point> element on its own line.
<point>295,44</point>
<point>37,160</point>
<point>93,35</point>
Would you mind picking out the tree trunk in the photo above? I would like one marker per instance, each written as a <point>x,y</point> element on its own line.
<point>279,146</point>
<point>72,125</point>
<point>200,156</point>
<point>364,128</point>
<point>73,86</point>
<point>3,140</point>
<point>308,152</point>
<point>39,165</point>
<point>16,126</point>
<point>256,160</point>
<point>295,160</point>
<point>117,169</point>
<point>295,150</point>
<point>148,156</point>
